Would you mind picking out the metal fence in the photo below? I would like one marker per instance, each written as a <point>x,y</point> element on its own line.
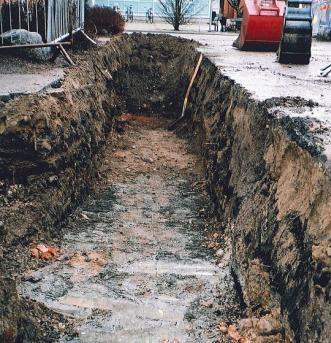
<point>52,19</point>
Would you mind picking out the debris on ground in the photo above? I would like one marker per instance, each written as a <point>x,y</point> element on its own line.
<point>45,252</point>
<point>249,330</point>
<point>207,303</point>
<point>234,334</point>
<point>84,216</point>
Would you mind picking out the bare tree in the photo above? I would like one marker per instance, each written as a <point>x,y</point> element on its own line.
<point>178,12</point>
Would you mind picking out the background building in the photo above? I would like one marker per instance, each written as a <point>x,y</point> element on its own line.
<point>322,18</point>
<point>226,9</point>
<point>140,7</point>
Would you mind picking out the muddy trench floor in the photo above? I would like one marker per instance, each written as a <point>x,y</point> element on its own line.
<point>139,261</point>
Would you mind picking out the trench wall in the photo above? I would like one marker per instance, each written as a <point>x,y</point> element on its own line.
<point>271,194</point>
<point>273,198</point>
<point>51,145</point>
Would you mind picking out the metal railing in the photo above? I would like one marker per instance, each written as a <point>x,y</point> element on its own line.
<point>52,19</point>
<point>64,17</point>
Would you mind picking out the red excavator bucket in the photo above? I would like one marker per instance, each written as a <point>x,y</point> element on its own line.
<point>262,25</point>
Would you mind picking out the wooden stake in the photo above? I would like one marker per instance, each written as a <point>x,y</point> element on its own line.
<point>65,54</point>
<point>188,93</point>
<point>89,38</point>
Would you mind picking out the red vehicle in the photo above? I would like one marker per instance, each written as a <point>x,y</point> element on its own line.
<point>262,25</point>
<point>276,26</point>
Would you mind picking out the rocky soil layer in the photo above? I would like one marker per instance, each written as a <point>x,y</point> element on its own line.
<point>266,175</point>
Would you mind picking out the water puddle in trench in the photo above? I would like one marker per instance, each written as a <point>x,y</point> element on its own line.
<point>137,268</point>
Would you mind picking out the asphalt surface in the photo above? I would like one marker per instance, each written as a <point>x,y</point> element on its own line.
<point>263,76</point>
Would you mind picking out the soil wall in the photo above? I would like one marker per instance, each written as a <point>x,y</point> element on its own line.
<point>272,194</point>
<point>51,144</point>
<point>273,197</point>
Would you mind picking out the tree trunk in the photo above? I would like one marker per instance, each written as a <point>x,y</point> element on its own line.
<point>177,16</point>
<point>176,21</point>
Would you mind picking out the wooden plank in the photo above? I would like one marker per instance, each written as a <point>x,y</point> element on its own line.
<point>32,46</point>
<point>66,55</point>
<point>89,38</point>
<point>197,67</point>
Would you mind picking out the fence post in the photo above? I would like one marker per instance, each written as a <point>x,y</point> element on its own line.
<point>70,12</point>
<point>45,22</point>
<point>10,23</point>
<point>27,14</point>
<point>49,21</point>
<point>1,24</point>
<point>19,19</point>
<point>82,13</point>
<point>37,19</point>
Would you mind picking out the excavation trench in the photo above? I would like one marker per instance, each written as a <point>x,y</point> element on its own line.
<point>137,268</point>
<point>135,262</point>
